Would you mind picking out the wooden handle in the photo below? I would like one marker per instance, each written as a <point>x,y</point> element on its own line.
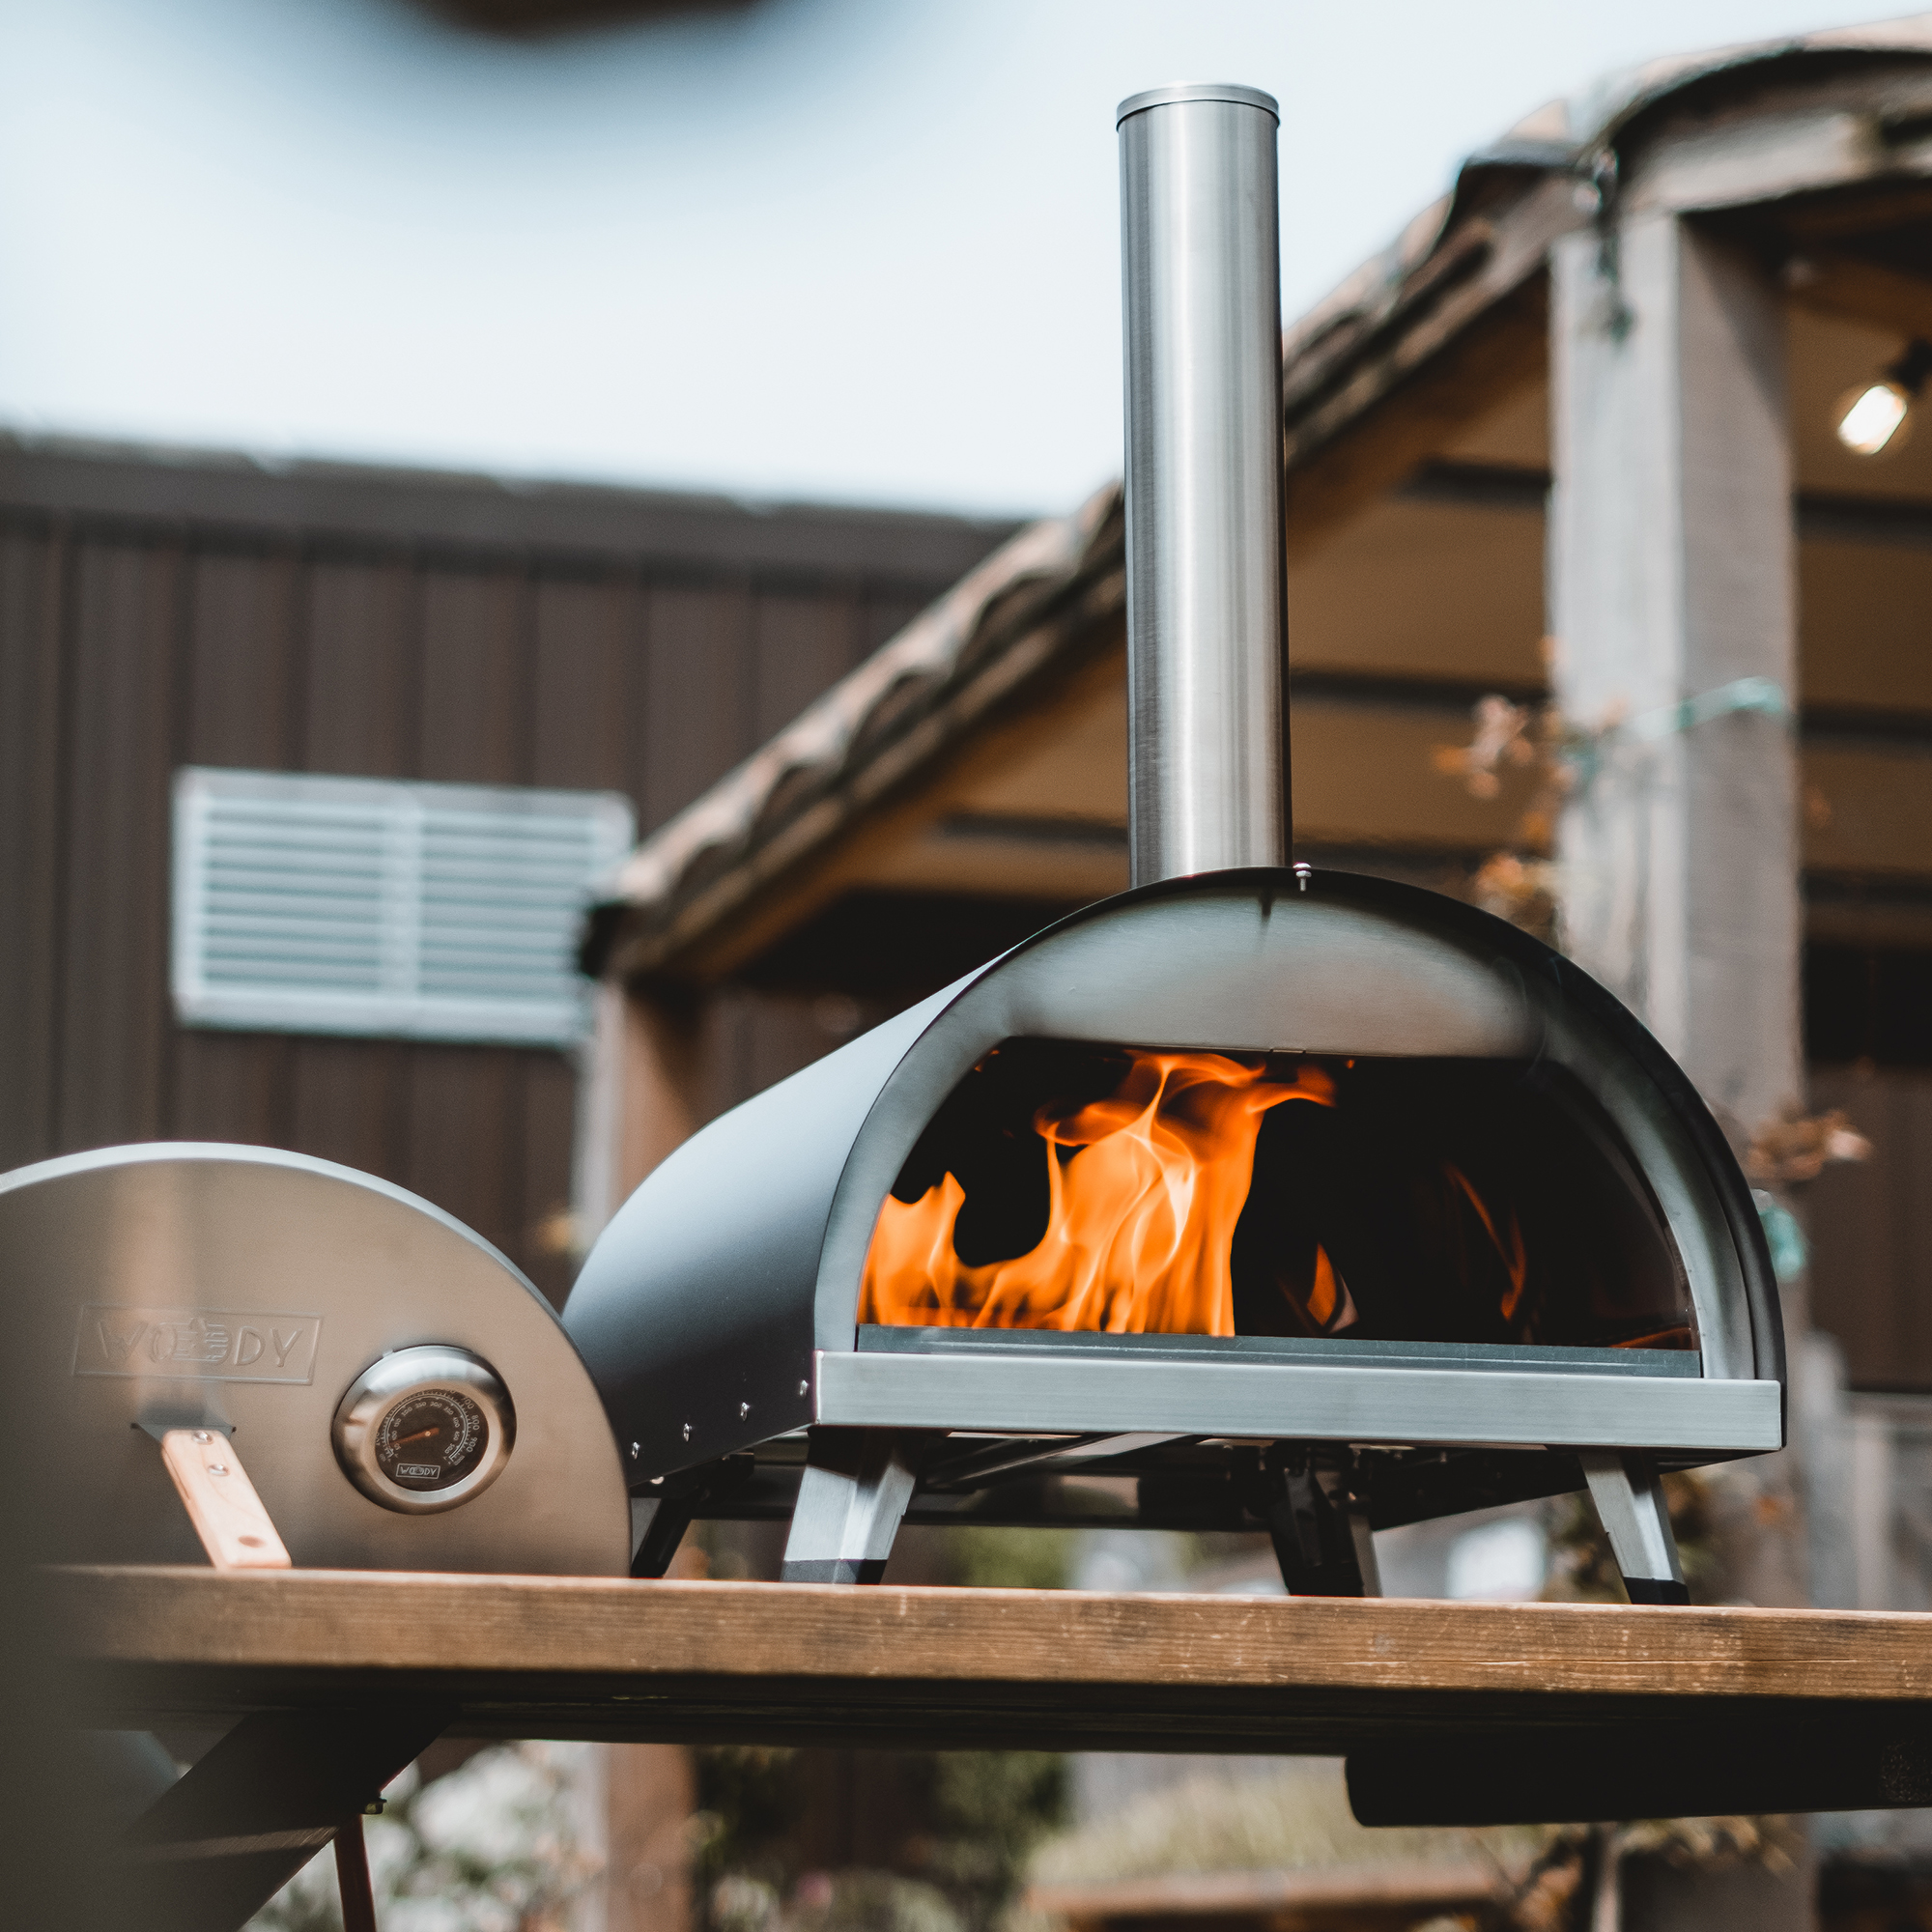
<point>227,1514</point>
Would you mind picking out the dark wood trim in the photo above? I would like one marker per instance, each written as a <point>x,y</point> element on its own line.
<point>339,502</point>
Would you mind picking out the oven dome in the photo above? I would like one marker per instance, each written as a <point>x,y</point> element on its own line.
<point>725,1304</point>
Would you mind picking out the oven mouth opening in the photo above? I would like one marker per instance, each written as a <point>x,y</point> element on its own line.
<point>1108,1190</point>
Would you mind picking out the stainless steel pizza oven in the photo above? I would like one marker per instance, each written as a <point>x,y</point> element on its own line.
<point>1257,1196</point>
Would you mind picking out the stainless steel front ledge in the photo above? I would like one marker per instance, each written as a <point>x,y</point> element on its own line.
<point>1420,1406</point>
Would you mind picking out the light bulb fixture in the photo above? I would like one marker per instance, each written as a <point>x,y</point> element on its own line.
<point>1873,417</point>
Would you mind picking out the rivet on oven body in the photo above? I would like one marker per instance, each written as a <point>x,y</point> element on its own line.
<point>687,1432</point>
<point>1303,875</point>
<point>804,1387</point>
<point>744,1409</point>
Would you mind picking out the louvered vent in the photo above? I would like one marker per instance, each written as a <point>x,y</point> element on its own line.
<point>354,906</point>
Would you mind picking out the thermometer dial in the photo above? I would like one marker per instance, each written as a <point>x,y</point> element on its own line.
<point>424,1429</point>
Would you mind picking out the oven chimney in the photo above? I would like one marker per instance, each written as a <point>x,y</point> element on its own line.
<point>1207,631</point>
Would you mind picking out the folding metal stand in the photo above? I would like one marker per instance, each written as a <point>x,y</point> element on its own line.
<point>255,1809</point>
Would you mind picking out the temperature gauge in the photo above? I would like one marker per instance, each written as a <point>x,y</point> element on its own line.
<point>425,1429</point>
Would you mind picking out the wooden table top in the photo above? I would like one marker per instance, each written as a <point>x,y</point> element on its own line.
<point>593,1658</point>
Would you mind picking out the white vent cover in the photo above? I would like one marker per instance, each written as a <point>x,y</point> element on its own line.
<point>355,906</point>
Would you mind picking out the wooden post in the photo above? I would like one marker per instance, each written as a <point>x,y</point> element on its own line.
<point>637,1103</point>
<point>1672,574</point>
<point>638,1099</point>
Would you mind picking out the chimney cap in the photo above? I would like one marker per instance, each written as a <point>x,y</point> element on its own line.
<point>1223,90</point>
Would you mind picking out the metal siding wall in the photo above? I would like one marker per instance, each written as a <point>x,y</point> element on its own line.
<point>882,614</point>
<point>362,679</point>
<point>475,677</point>
<point>32,581</point>
<point>800,645</point>
<point>698,710</point>
<point>588,702</point>
<point>130,647</point>
<point>112,1029</point>
<point>347,1102</point>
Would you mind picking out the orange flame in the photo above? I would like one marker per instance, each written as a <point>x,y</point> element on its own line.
<point>1508,1247</point>
<point>1141,1214</point>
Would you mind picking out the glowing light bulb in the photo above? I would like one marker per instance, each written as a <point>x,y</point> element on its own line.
<point>1873,417</point>
<point>1878,415</point>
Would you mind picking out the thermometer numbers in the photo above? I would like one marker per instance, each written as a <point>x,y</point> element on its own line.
<point>431,1438</point>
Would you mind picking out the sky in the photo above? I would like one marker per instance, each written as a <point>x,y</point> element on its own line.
<point>842,250</point>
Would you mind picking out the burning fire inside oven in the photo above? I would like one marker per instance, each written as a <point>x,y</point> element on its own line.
<point>1128,1191</point>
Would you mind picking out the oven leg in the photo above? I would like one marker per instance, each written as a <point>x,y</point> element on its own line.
<point>658,1524</point>
<point>1630,1500</point>
<point>1317,1540</point>
<point>1364,1540</point>
<point>856,1486</point>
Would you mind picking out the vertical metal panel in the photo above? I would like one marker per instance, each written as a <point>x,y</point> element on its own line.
<point>242,661</point>
<point>802,644</point>
<point>464,1137</point>
<point>346,1103</point>
<point>882,614</point>
<point>587,682</point>
<point>32,572</point>
<point>361,690</point>
<point>475,690</point>
<point>232,1086</point>
<point>697,720</point>
<point>114,1025</point>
